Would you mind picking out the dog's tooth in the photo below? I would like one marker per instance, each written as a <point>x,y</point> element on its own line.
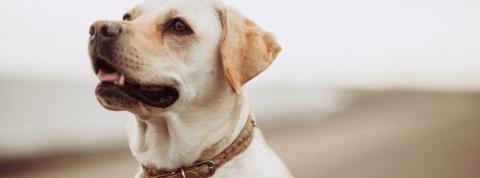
<point>121,81</point>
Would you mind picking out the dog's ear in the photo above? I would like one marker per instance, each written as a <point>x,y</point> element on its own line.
<point>246,50</point>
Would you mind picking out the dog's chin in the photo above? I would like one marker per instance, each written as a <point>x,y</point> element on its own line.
<point>130,97</point>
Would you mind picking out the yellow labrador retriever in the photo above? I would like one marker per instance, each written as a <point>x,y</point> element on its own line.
<point>179,66</point>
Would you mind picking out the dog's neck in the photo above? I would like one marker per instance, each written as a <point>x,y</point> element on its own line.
<point>177,139</point>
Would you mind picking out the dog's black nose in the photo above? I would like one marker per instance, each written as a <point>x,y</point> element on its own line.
<point>105,30</point>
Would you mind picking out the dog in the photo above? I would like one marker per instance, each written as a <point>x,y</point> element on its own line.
<point>179,66</point>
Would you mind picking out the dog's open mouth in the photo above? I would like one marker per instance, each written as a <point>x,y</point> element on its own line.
<point>153,95</point>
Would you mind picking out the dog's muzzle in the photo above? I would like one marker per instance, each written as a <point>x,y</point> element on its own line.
<point>115,84</point>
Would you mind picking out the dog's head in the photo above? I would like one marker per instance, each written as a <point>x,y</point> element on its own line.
<point>167,52</point>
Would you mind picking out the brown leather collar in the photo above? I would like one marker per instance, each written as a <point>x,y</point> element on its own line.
<point>207,168</point>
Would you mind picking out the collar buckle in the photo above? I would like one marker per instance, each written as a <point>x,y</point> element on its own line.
<point>211,166</point>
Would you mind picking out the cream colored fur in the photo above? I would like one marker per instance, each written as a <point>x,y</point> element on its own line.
<point>209,68</point>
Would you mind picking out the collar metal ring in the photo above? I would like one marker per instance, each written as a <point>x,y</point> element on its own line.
<point>183,173</point>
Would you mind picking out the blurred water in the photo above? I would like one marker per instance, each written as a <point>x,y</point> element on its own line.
<point>41,117</point>
<point>44,117</point>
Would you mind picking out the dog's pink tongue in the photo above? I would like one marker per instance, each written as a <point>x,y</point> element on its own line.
<point>108,77</point>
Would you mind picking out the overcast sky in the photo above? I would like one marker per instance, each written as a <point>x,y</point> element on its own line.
<point>419,43</point>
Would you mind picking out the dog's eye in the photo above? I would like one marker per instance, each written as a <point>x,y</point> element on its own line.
<point>179,27</point>
<point>127,17</point>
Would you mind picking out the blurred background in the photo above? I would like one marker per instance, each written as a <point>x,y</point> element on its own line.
<point>362,89</point>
